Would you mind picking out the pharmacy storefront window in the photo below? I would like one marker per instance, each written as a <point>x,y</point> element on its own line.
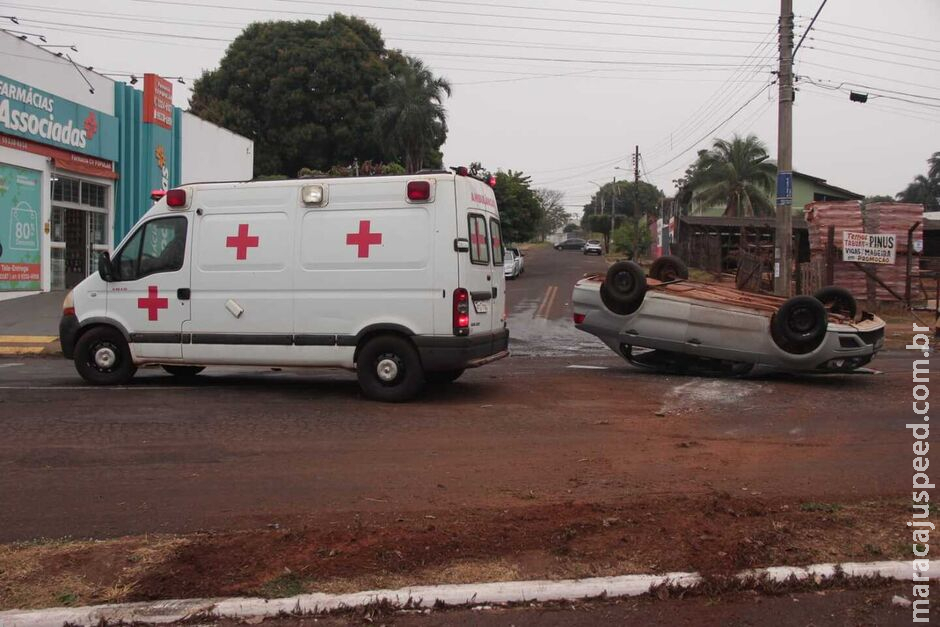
<point>79,229</point>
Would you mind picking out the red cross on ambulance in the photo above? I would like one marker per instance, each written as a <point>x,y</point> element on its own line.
<point>242,242</point>
<point>364,239</point>
<point>153,303</point>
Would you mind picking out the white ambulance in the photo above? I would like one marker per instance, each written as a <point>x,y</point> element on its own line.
<point>398,277</point>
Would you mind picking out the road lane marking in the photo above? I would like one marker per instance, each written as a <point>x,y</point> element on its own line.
<point>578,367</point>
<point>92,388</point>
<point>547,301</point>
<point>27,339</point>
<point>13,365</point>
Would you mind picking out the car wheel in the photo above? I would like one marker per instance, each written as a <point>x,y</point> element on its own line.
<point>799,326</point>
<point>669,268</point>
<point>102,357</point>
<point>443,376</point>
<point>184,372</point>
<point>838,300</point>
<point>389,369</point>
<point>624,288</point>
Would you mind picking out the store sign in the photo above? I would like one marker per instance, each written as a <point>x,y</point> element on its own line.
<point>878,248</point>
<point>158,101</point>
<point>64,160</point>
<point>20,197</point>
<point>45,118</point>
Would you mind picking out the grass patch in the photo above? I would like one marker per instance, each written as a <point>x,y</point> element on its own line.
<point>289,585</point>
<point>812,506</point>
<point>67,599</point>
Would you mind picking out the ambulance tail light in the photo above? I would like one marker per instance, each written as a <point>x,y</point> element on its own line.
<point>461,311</point>
<point>68,305</point>
<point>419,191</point>
<point>176,198</point>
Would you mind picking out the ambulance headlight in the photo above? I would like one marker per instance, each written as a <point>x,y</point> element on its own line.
<point>313,195</point>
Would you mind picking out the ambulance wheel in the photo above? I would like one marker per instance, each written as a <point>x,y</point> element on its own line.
<point>102,357</point>
<point>389,369</point>
<point>443,376</point>
<point>184,372</point>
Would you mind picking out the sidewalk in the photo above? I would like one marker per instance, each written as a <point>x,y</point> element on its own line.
<point>30,325</point>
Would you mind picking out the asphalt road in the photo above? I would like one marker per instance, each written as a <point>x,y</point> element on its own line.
<point>245,448</point>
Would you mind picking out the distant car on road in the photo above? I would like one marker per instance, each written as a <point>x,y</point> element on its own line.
<point>593,247</point>
<point>666,322</point>
<point>521,256</point>
<point>512,264</point>
<point>575,243</point>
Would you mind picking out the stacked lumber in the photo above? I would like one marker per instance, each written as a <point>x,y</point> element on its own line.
<point>894,218</point>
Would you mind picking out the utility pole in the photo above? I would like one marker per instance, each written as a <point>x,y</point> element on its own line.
<point>613,207</point>
<point>783,240</point>
<point>637,213</point>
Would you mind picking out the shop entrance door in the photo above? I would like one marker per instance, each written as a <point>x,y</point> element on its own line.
<point>76,247</point>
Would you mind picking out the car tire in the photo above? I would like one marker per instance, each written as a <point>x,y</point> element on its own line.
<point>443,376</point>
<point>838,300</point>
<point>624,288</point>
<point>799,326</point>
<point>183,372</point>
<point>102,357</point>
<point>389,369</point>
<point>669,268</point>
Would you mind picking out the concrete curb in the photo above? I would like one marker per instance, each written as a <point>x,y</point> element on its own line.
<point>29,345</point>
<point>423,596</point>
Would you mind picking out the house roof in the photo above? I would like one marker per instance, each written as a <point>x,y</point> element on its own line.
<point>822,183</point>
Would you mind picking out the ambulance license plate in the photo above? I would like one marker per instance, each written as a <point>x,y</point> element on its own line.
<point>481,306</point>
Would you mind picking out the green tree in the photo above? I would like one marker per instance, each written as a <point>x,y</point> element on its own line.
<point>571,227</point>
<point>623,196</point>
<point>925,189</point>
<point>627,239</point>
<point>597,223</point>
<point>413,119</point>
<point>738,174</point>
<point>519,209</point>
<point>554,216</point>
<point>305,92</point>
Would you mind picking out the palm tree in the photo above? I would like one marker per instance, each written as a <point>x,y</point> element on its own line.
<point>739,174</point>
<point>413,118</point>
<point>925,189</point>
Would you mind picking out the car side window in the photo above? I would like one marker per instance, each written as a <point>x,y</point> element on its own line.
<point>157,246</point>
<point>496,241</point>
<point>479,247</point>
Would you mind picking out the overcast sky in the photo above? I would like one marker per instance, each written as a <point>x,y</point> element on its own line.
<point>564,89</point>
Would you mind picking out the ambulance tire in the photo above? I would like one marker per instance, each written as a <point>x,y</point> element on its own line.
<point>102,357</point>
<point>389,369</point>
<point>184,372</point>
<point>443,376</point>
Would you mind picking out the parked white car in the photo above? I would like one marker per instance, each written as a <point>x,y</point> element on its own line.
<point>512,264</point>
<point>390,276</point>
<point>593,247</point>
<point>521,256</point>
<point>665,321</point>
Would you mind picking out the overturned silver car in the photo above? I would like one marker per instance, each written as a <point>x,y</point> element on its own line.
<point>666,322</point>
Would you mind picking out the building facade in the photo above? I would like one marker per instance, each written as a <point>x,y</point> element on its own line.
<point>80,155</point>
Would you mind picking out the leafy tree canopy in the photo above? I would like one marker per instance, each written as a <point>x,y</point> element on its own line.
<point>737,174</point>
<point>623,197</point>
<point>626,239</point>
<point>553,211</point>
<point>310,94</point>
<point>520,211</point>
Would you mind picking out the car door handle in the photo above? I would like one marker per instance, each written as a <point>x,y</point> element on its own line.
<point>694,341</point>
<point>495,292</point>
<point>183,293</point>
<point>481,296</point>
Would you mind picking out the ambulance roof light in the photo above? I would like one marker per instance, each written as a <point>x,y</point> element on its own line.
<point>312,194</point>
<point>157,194</point>
<point>419,191</point>
<point>176,198</point>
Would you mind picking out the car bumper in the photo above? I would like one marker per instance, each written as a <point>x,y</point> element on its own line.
<point>457,353</point>
<point>68,333</point>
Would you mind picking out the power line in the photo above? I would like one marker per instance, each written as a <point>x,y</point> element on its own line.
<point>809,28</point>
<point>898,111</point>
<point>673,6</point>
<point>874,94</point>
<point>885,78</point>
<point>609,13</point>
<point>920,56</point>
<point>716,129</point>
<point>875,59</point>
<point>874,40</point>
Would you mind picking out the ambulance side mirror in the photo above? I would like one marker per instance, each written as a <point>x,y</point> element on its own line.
<point>105,269</point>
<point>462,245</point>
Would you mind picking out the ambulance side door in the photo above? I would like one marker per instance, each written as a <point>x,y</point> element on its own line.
<point>242,285</point>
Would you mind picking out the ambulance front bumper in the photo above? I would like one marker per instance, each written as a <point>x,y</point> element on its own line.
<point>68,331</point>
<point>456,353</point>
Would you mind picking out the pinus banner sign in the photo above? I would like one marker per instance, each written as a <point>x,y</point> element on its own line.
<point>879,248</point>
